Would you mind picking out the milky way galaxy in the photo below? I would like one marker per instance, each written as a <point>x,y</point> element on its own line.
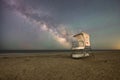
<point>38,17</point>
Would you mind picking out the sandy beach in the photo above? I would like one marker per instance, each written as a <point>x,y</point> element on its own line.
<point>60,66</point>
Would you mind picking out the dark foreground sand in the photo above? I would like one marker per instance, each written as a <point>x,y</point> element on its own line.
<point>60,66</point>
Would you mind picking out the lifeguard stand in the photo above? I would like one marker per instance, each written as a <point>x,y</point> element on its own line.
<point>81,45</point>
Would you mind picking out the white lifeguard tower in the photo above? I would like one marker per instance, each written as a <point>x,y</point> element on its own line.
<point>81,45</point>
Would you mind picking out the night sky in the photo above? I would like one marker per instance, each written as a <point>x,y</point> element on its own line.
<point>49,24</point>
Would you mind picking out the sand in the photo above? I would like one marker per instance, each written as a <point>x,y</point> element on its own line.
<point>60,66</point>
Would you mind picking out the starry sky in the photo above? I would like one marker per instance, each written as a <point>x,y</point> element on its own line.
<point>49,24</point>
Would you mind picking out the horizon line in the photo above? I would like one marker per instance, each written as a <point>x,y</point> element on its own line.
<point>37,51</point>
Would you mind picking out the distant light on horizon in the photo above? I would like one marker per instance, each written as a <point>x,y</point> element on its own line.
<point>117,46</point>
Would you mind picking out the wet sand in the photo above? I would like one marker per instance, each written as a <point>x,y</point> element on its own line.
<point>60,66</point>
